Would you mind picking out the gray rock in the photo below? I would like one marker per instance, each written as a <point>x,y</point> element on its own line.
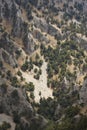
<point>41,37</point>
<point>53,31</point>
<point>40,23</point>
<point>15,101</point>
<point>83,93</point>
<point>28,43</point>
<point>45,27</point>
<point>8,58</point>
<point>17,27</point>
<point>7,50</point>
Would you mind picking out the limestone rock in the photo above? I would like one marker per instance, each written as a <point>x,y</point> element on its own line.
<point>15,101</point>
<point>41,37</point>
<point>28,43</point>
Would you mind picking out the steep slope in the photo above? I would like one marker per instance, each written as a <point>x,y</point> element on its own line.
<point>43,60</point>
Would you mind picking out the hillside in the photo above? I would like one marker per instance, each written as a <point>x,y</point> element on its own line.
<point>43,64</point>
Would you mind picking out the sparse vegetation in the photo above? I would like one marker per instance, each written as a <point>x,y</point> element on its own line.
<point>5,126</point>
<point>29,33</point>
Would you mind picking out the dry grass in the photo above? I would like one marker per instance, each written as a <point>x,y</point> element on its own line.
<point>80,79</point>
<point>71,68</point>
<point>7,25</point>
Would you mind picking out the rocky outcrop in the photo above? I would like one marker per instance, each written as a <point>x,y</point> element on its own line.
<point>8,58</point>
<point>40,23</point>
<point>28,43</point>
<point>54,32</point>
<point>6,43</point>
<point>41,37</point>
<point>11,11</point>
<point>46,27</point>
<point>13,102</point>
<point>7,50</point>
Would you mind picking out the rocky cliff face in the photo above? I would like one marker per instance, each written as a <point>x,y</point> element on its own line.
<point>11,12</point>
<point>13,102</point>
<point>23,21</point>
<point>19,15</point>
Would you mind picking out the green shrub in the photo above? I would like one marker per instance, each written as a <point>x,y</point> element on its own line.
<point>19,73</point>
<point>29,86</point>
<point>72,111</point>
